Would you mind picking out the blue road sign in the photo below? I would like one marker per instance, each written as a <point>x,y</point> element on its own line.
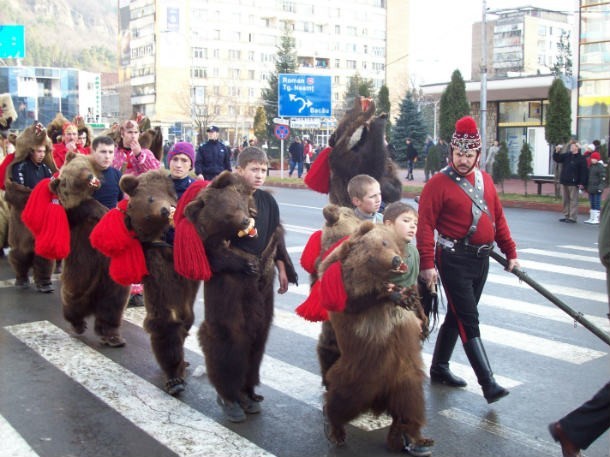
<point>281,131</point>
<point>12,42</point>
<point>304,95</point>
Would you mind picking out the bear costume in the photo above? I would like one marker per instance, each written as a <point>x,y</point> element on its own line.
<point>239,295</point>
<point>22,255</point>
<point>70,215</point>
<point>380,367</point>
<point>357,146</point>
<point>168,297</point>
<point>340,222</point>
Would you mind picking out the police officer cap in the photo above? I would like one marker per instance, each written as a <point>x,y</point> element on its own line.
<point>213,128</point>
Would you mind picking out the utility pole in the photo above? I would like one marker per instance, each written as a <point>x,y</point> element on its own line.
<point>484,84</point>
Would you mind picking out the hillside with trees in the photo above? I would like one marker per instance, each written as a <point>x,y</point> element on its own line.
<point>66,33</point>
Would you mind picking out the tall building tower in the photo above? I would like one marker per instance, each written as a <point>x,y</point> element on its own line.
<point>522,41</point>
<point>192,61</point>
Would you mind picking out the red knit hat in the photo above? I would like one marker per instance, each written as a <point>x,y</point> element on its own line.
<point>596,156</point>
<point>466,136</point>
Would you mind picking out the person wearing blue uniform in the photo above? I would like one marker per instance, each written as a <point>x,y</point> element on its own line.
<point>213,157</point>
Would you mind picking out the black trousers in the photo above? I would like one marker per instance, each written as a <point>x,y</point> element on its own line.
<point>463,276</point>
<point>590,420</point>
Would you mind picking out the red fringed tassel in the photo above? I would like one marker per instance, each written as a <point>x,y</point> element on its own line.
<point>111,237</point>
<point>36,206</point>
<point>188,196</point>
<point>311,309</point>
<point>129,267</point>
<point>190,259</point>
<point>53,241</point>
<point>312,252</point>
<point>332,290</point>
<point>3,166</point>
<point>318,176</point>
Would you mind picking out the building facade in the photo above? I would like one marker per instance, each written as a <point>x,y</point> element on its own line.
<point>39,93</point>
<point>523,42</point>
<point>197,60</point>
<point>593,112</point>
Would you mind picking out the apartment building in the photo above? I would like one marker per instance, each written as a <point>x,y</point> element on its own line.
<point>200,59</point>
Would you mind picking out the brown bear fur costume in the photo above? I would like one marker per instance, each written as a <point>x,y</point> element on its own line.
<point>340,222</point>
<point>21,242</point>
<point>86,286</point>
<point>168,297</point>
<point>239,296</point>
<point>380,367</point>
<point>357,146</point>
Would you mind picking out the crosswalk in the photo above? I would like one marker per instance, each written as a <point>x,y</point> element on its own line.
<point>183,427</point>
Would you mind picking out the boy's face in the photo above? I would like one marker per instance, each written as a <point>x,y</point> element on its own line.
<point>38,154</point>
<point>254,173</point>
<point>405,225</point>
<point>103,155</point>
<point>130,135</point>
<point>179,166</point>
<point>370,203</point>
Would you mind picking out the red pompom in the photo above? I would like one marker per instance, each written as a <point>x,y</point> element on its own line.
<point>111,237</point>
<point>188,196</point>
<point>190,259</point>
<point>3,166</point>
<point>311,309</point>
<point>33,213</point>
<point>53,240</point>
<point>466,126</point>
<point>332,289</point>
<point>318,176</point>
<point>312,252</point>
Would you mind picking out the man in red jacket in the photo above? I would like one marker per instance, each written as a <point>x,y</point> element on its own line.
<point>461,203</point>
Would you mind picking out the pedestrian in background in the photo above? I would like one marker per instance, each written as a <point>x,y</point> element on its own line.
<point>213,157</point>
<point>411,158</point>
<point>573,178</point>
<point>296,151</point>
<point>491,155</point>
<point>595,186</point>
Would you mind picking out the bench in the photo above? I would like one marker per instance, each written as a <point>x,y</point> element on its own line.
<point>542,179</point>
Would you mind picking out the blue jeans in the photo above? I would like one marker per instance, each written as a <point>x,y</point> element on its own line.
<point>298,165</point>
<point>596,201</point>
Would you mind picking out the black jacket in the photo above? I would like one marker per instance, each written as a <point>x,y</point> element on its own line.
<point>574,170</point>
<point>212,158</point>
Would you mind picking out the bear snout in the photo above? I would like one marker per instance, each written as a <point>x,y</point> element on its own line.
<point>245,222</point>
<point>164,212</point>
<point>398,264</point>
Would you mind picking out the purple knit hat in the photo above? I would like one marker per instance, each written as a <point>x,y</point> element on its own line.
<point>182,147</point>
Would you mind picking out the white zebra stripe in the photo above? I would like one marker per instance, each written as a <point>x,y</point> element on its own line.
<point>184,430</point>
<point>560,255</point>
<point>13,444</point>
<point>554,268</point>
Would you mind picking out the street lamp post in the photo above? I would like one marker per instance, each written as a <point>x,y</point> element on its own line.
<point>483,109</point>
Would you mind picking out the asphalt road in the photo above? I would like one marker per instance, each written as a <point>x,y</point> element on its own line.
<point>68,396</point>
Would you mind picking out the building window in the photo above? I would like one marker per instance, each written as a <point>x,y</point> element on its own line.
<point>234,73</point>
<point>288,5</point>
<point>217,109</point>
<point>251,75</point>
<point>234,54</point>
<point>216,90</point>
<point>337,29</point>
<point>251,56</point>
<point>350,64</point>
<point>216,53</point>
<point>199,72</point>
<point>337,63</point>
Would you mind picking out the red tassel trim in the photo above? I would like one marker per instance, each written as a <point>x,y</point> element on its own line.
<point>312,252</point>
<point>3,166</point>
<point>318,176</point>
<point>48,222</point>
<point>190,259</point>
<point>332,289</point>
<point>112,238</point>
<point>311,309</point>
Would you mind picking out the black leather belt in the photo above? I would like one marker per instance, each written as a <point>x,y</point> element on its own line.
<point>461,245</point>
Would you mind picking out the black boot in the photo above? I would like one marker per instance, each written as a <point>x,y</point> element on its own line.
<point>475,351</point>
<point>439,370</point>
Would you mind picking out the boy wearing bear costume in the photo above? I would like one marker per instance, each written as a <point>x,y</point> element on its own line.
<point>234,335</point>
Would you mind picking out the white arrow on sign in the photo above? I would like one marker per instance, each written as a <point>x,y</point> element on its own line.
<point>306,103</point>
<point>280,121</point>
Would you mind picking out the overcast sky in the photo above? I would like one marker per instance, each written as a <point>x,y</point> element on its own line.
<point>442,30</point>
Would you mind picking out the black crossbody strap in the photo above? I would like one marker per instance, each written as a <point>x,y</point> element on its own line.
<point>475,193</point>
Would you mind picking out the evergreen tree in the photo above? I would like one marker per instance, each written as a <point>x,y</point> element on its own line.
<point>558,121</point>
<point>408,125</point>
<point>260,125</point>
<point>285,62</point>
<point>524,168</point>
<point>384,106</point>
<point>454,105</point>
<point>501,166</point>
